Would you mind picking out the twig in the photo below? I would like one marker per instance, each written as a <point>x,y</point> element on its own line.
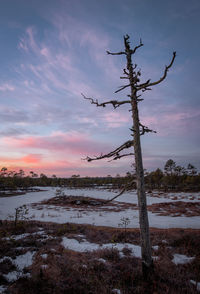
<point>118,53</point>
<point>137,47</point>
<point>145,130</point>
<point>114,103</point>
<point>118,156</point>
<point>122,88</point>
<point>128,186</point>
<point>145,86</point>
<point>115,153</point>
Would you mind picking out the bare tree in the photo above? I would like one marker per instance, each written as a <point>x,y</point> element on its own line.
<point>132,75</point>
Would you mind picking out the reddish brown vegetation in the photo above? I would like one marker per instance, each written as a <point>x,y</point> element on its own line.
<point>178,208</point>
<point>66,271</point>
<point>85,203</point>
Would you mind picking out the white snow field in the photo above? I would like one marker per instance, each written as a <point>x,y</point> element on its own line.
<point>99,218</point>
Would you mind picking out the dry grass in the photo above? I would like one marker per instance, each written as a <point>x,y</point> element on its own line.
<point>100,271</point>
<point>84,203</point>
<point>178,208</point>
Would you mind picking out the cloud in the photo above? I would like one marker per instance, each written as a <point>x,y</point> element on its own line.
<point>10,132</point>
<point>32,158</point>
<point>24,161</point>
<point>169,121</point>
<point>116,119</point>
<point>77,34</point>
<point>71,143</point>
<point>55,68</point>
<point>6,87</point>
<point>10,114</point>
<point>36,163</point>
<point>64,55</point>
<point>27,42</point>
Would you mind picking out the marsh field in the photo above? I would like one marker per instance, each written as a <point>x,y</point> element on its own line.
<point>75,241</point>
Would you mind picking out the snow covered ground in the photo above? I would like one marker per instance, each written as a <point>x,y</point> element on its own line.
<point>85,246</point>
<point>21,262</point>
<point>100,218</point>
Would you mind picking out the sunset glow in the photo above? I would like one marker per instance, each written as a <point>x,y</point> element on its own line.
<point>52,51</point>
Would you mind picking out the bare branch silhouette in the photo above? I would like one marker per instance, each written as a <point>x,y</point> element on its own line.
<point>114,103</point>
<point>115,153</point>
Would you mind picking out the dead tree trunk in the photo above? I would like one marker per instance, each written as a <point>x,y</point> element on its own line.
<point>138,129</point>
<point>143,216</point>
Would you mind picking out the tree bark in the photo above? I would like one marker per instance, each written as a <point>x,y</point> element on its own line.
<point>147,263</point>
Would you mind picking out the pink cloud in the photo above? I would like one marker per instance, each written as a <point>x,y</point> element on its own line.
<point>6,87</point>
<point>58,68</point>
<point>70,30</point>
<point>35,163</point>
<point>172,121</point>
<point>115,119</point>
<point>72,143</point>
<point>32,158</point>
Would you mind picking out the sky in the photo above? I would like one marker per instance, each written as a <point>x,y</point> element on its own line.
<point>54,50</point>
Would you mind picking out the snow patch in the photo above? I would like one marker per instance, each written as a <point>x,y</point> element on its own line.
<point>110,219</point>
<point>44,266</point>
<point>182,259</point>
<point>116,291</point>
<point>75,245</point>
<point>102,260</point>
<point>20,262</point>
<point>85,246</point>
<point>24,260</point>
<point>2,289</point>
<point>17,237</point>
<point>197,284</point>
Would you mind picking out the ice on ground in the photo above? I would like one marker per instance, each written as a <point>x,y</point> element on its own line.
<point>182,259</point>
<point>113,219</point>
<point>85,246</point>
<point>110,219</point>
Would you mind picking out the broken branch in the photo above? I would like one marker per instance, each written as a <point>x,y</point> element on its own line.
<point>122,88</point>
<point>114,103</point>
<point>165,72</point>
<point>117,53</point>
<point>118,156</point>
<point>145,86</point>
<point>145,129</point>
<point>137,47</point>
<point>128,186</point>
<point>115,153</point>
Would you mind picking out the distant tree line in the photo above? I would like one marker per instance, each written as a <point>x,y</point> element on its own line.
<point>172,178</point>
